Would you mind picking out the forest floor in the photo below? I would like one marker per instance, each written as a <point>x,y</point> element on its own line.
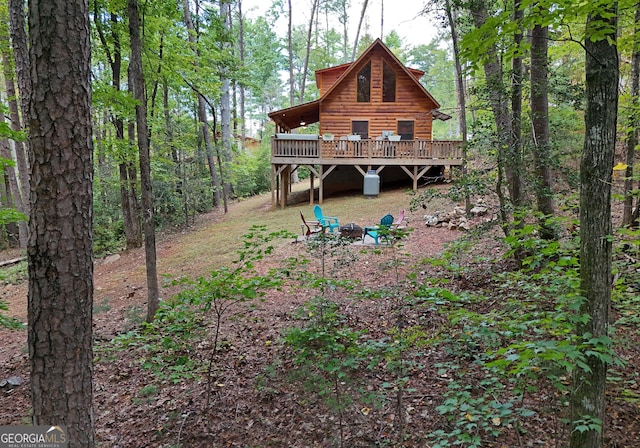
<point>365,371</point>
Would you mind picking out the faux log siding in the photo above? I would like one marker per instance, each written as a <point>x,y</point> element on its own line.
<point>340,108</point>
<point>329,77</point>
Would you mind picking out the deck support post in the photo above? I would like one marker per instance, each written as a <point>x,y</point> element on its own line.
<point>415,175</point>
<point>274,188</point>
<point>312,175</point>
<point>285,186</point>
<point>321,185</point>
<point>324,174</point>
<point>280,185</point>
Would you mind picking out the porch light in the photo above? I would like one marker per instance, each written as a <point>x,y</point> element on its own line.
<point>302,122</point>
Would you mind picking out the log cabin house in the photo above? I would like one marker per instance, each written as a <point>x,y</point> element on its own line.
<point>373,115</point>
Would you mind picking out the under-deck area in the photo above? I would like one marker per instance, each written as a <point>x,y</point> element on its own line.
<point>322,156</point>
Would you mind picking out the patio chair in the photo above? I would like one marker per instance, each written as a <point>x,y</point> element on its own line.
<point>383,230</point>
<point>325,221</point>
<point>399,223</point>
<point>310,227</point>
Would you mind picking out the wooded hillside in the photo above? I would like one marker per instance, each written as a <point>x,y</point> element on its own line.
<point>128,118</point>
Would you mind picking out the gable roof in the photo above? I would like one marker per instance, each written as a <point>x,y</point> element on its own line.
<point>293,117</point>
<point>365,54</point>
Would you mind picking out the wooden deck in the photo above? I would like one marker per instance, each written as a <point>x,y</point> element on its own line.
<point>415,157</point>
<point>366,152</point>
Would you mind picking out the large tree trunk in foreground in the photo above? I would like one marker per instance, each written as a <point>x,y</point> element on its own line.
<point>59,251</point>
<point>588,397</point>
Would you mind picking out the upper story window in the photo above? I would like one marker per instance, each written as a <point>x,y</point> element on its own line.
<point>364,84</point>
<point>388,84</point>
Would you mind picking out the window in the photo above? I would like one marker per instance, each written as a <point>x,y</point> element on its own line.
<point>405,129</point>
<point>388,84</point>
<point>360,127</point>
<point>364,84</point>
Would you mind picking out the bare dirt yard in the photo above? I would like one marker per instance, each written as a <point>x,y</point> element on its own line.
<point>373,364</point>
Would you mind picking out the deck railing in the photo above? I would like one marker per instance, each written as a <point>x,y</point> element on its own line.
<point>366,149</point>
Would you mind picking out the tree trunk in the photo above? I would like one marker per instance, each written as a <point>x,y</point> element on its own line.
<point>19,40</point>
<point>460,95</point>
<point>541,151</point>
<point>243,125</point>
<point>225,107</point>
<point>180,189</point>
<point>204,126</point>
<point>218,156</point>
<point>135,72</point>
<point>17,30</point>
<point>588,397</point>
<point>128,187</point>
<point>129,180</point>
<point>382,19</point>
<point>632,133</point>
<point>129,205</point>
<point>103,171</point>
<point>17,232</point>
<point>292,96</point>
<point>307,54</point>
<point>355,41</point>
<point>60,256</point>
<point>8,186</point>
<point>202,113</point>
<point>344,20</point>
<point>499,105</point>
<point>21,158</point>
<point>129,201</point>
<point>20,151</point>
<point>514,150</point>
<point>19,192</point>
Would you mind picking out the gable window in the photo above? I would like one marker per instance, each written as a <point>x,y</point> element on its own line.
<point>364,84</point>
<point>388,84</point>
<point>405,129</point>
<point>360,127</point>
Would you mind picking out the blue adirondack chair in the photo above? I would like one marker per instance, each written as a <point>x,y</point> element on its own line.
<point>326,221</point>
<point>380,231</point>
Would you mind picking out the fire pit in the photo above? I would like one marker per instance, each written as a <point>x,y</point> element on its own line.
<point>351,231</point>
